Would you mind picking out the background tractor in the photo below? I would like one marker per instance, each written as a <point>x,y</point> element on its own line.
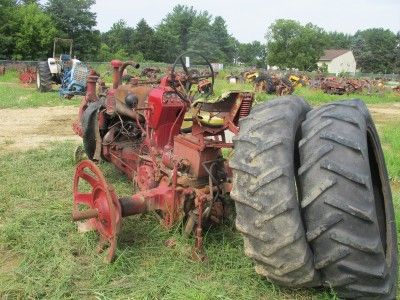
<point>273,84</point>
<point>62,69</point>
<point>310,187</point>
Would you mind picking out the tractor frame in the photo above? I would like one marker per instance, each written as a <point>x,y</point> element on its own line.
<point>182,176</point>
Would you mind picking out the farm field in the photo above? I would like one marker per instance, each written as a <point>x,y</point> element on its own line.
<point>43,256</point>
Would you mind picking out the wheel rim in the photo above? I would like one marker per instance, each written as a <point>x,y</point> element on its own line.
<point>38,80</point>
<point>101,198</point>
<point>378,189</point>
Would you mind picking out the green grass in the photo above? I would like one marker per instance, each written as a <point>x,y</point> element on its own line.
<point>10,76</point>
<point>389,134</point>
<point>14,95</point>
<point>43,256</point>
<point>390,139</point>
<point>318,97</point>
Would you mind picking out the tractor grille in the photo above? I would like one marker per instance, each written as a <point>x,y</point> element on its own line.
<point>80,73</point>
<point>247,102</point>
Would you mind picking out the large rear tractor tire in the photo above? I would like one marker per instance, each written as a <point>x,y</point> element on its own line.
<point>264,83</point>
<point>347,204</point>
<point>266,198</point>
<point>43,77</point>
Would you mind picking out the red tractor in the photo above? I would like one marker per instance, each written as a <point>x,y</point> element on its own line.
<point>137,128</point>
<point>287,175</point>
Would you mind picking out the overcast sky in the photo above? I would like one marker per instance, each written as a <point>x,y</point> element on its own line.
<point>248,20</point>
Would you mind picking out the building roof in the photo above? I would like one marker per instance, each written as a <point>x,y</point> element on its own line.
<point>331,54</point>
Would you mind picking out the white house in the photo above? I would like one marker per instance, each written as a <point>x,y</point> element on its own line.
<point>338,61</point>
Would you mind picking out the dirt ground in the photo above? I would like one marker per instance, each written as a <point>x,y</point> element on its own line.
<point>24,129</point>
<point>385,112</point>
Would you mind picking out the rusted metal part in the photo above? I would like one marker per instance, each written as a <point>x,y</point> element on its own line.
<point>284,87</point>
<point>145,178</point>
<point>122,69</point>
<point>340,86</point>
<point>332,85</point>
<point>198,250</point>
<point>116,64</point>
<point>103,210</point>
<point>150,73</point>
<point>84,215</point>
<point>91,82</point>
<point>354,85</point>
<point>272,83</point>
<point>27,76</point>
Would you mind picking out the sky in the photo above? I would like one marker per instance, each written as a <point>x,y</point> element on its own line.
<point>248,20</point>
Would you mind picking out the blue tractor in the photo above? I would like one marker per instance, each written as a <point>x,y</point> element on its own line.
<point>62,69</point>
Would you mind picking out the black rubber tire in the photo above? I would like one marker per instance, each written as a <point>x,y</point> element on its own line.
<point>269,83</point>
<point>265,193</point>
<point>347,204</point>
<point>43,77</point>
<point>287,82</point>
<point>90,128</point>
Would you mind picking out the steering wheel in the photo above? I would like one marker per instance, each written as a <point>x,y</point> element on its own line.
<point>183,84</point>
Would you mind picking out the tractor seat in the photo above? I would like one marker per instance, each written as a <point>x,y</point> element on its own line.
<point>207,119</point>
<point>65,57</point>
<point>212,112</point>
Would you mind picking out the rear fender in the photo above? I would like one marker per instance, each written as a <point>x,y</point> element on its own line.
<point>55,68</point>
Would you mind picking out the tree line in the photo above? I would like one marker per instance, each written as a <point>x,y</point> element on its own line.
<point>27,31</point>
<point>292,45</point>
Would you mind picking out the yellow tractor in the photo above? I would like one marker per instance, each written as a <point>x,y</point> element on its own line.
<point>298,80</point>
<point>250,76</point>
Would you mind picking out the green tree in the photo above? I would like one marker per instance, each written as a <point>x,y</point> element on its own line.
<point>27,1</point>
<point>202,39</point>
<point>292,45</point>
<point>121,54</point>
<point>223,40</point>
<point>74,20</point>
<point>165,46</point>
<point>143,40</point>
<point>35,34</point>
<point>187,29</point>
<point>119,37</point>
<point>397,55</point>
<point>338,40</point>
<point>104,54</point>
<point>252,54</point>
<point>375,50</point>
<point>179,23</point>
<point>8,27</point>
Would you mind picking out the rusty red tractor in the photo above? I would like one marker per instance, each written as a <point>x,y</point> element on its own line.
<point>311,192</point>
